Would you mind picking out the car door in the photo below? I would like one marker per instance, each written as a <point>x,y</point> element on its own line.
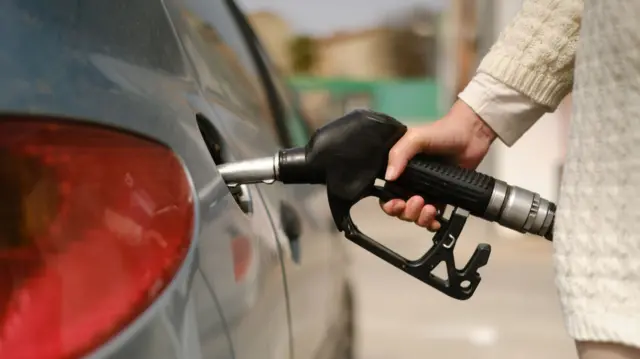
<point>252,297</point>
<point>314,205</point>
<point>305,254</point>
<point>320,281</point>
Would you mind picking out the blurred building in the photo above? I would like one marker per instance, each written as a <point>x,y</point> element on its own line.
<point>276,36</point>
<point>382,52</point>
<point>358,55</point>
<point>387,67</point>
<point>405,46</point>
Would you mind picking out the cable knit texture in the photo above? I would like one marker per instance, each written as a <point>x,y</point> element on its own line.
<point>536,52</point>
<point>597,232</point>
<point>598,226</point>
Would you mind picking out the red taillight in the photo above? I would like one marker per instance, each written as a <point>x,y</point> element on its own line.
<point>93,225</point>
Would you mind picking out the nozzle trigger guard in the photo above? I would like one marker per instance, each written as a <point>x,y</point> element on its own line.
<point>460,284</point>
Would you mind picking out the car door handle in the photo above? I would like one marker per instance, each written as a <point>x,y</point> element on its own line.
<point>292,227</point>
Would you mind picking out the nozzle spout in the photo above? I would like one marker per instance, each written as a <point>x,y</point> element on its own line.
<point>260,170</point>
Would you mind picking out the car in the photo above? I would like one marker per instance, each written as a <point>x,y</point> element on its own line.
<point>118,236</point>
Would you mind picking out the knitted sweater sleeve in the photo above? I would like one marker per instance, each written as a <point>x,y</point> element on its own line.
<point>529,69</point>
<point>535,53</point>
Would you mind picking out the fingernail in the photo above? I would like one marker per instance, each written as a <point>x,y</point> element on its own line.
<point>390,174</point>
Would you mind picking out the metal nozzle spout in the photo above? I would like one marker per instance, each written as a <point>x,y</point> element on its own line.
<point>521,210</point>
<point>260,170</point>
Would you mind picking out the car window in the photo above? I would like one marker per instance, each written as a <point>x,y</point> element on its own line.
<point>217,15</point>
<point>291,116</point>
<point>223,61</point>
<point>297,126</point>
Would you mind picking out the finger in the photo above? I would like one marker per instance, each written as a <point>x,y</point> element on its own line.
<point>433,226</point>
<point>407,147</point>
<point>412,209</point>
<point>427,215</point>
<point>394,207</point>
<point>386,206</point>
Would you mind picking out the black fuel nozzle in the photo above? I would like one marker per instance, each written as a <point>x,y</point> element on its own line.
<point>350,154</point>
<point>350,150</point>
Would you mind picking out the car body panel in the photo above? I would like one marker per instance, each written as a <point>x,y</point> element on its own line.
<point>134,65</point>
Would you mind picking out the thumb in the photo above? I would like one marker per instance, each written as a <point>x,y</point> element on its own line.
<point>408,146</point>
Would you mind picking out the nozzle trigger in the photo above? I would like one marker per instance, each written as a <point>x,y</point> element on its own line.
<point>459,284</point>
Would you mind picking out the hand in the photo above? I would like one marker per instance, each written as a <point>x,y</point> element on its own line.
<point>460,134</point>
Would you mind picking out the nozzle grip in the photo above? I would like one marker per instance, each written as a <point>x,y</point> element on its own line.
<point>440,182</point>
<point>459,283</point>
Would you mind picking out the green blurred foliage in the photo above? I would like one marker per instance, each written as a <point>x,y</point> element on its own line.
<point>304,54</point>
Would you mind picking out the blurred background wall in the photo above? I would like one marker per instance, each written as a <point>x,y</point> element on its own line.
<point>408,59</point>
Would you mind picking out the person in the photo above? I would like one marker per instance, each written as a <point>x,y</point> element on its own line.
<point>590,48</point>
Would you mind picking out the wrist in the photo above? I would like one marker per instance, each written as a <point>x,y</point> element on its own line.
<point>478,128</point>
<point>483,131</point>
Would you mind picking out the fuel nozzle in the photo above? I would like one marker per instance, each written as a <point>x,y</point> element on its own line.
<point>349,156</point>
<point>260,170</point>
<point>496,201</point>
<point>286,166</point>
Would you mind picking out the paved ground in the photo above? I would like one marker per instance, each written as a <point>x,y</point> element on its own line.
<point>514,313</point>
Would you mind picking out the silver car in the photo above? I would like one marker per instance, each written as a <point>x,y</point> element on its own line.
<point>118,237</point>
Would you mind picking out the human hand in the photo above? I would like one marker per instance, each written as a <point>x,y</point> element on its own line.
<point>460,135</point>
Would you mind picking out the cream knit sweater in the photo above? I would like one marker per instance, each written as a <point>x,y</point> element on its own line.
<point>597,234</point>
